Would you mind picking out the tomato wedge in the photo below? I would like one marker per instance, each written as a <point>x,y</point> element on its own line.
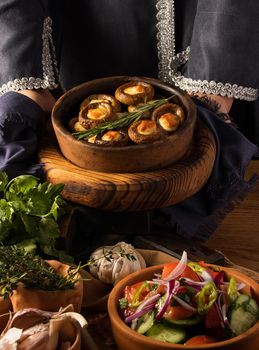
<point>212,319</point>
<point>137,291</point>
<point>188,272</point>
<point>200,339</point>
<point>178,312</point>
<point>213,325</point>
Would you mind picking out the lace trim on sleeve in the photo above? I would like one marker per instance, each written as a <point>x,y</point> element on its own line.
<point>49,66</point>
<point>169,63</point>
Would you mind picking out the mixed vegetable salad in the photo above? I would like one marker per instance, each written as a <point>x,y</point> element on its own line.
<point>188,303</point>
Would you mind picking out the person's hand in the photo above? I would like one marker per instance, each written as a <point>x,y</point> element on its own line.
<point>42,97</point>
<point>218,104</point>
<point>21,122</point>
<point>223,103</point>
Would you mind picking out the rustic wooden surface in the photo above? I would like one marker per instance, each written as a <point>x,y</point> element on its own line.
<point>136,191</point>
<point>238,235</point>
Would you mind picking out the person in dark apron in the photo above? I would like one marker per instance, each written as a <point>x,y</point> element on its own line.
<point>208,48</point>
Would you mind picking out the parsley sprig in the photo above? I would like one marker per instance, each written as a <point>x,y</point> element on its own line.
<point>29,211</point>
<point>127,119</point>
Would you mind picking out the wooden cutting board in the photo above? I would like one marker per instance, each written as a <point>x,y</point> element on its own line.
<point>133,191</point>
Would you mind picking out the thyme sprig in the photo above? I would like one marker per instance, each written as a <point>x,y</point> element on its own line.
<point>109,255</point>
<point>124,121</point>
<point>19,266</point>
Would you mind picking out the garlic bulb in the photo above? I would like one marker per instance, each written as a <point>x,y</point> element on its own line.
<point>34,329</point>
<point>112,263</point>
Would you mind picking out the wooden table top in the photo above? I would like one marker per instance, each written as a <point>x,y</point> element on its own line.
<point>238,235</point>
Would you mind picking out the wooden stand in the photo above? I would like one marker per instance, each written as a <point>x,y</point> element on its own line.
<point>133,191</point>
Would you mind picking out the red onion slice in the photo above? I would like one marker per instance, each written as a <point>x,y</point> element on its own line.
<point>219,278</point>
<point>206,276</point>
<point>224,313</point>
<point>147,305</point>
<point>220,310</point>
<point>192,283</point>
<point>167,296</point>
<point>140,313</point>
<point>179,268</point>
<point>223,307</point>
<point>240,285</point>
<point>184,304</point>
<point>177,286</point>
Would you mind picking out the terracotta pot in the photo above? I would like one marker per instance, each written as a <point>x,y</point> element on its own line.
<point>128,339</point>
<point>5,307</point>
<point>48,300</point>
<point>122,159</point>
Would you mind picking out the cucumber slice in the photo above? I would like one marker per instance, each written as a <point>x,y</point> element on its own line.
<point>186,322</point>
<point>244,315</point>
<point>166,334</point>
<point>146,322</point>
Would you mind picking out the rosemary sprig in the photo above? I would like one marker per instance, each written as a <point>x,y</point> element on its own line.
<point>126,120</point>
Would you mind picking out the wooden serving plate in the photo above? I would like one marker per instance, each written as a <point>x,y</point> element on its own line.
<point>133,191</point>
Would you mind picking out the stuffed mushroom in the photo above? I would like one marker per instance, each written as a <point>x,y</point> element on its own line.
<point>168,116</point>
<point>96,98</point>
<point>134,108</point>
<point>145,131</point>
<point>96,113</point>
<point>75,126</point>
<point>113,138</point>
<point>134,92</point>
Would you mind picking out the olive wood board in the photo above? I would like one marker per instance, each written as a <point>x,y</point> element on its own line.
<point>133,191</point>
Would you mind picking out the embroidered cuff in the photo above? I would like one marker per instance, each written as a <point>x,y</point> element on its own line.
<point>212,87</point>
<point>49,66</point>
<point>170,63</point>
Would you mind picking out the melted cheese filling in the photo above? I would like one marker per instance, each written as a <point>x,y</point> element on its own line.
<point>112,136</point>
<point>99,101</point>
<point>92,139</point>
<point>134,90</point>
<point>97,113</point>
<point>147,127</point>
<point>169,121</point>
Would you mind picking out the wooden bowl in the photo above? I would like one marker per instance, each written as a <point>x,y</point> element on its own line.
<point>133,158</point>
<point>128,339</point>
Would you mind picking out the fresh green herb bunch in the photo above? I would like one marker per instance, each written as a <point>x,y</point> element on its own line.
<point>29,211</point>
<point>127,119</point>
<point>19,266</point>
